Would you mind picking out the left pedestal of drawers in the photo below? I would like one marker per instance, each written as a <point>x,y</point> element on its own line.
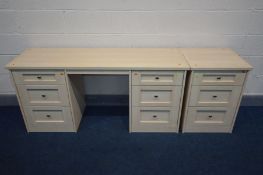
<point>44,100</point>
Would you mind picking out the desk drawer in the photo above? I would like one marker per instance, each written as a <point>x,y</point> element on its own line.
<point>157,119</point>
<point>156,95</point>
<point>209,119</point>
<point>157,77</point>
<point>49,119</point>
<point>39,77</point>
<point>218,77</point>
<point>47,95</point>
<point>214,95</point>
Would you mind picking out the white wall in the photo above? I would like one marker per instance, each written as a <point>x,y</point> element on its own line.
<point>237,24</point>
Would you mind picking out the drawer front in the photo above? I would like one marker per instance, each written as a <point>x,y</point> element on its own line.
<point>218,78</point>
<point>39,77</point>
<point>157,119</point>
<point>209,119</point>
<point>49,119</point>
<point>156,95</point>
<point>214,95</point>
<point>47,95</point>
<point>157,77</point>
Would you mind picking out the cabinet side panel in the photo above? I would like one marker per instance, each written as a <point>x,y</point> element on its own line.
<point>186,97</point>
<point>130,101</point>
<point>19,100</point>
<point>181,104</point>
<point>238,104</point>
<point>76,95</point>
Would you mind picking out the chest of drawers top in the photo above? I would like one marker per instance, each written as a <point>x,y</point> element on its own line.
<point>214,59</point>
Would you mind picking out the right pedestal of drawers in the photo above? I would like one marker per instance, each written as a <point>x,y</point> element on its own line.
<point>212,101</point>
<point>214,89</point>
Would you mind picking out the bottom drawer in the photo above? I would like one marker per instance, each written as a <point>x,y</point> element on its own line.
<point>154,119</point>
<point>209,119</point>
<point>49,119</point>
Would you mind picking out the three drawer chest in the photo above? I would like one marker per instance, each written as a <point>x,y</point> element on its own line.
<point>170,89</point>
<point>214,89</point>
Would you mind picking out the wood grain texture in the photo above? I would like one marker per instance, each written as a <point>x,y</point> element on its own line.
<point>100,58</point>
<point>214,59</point>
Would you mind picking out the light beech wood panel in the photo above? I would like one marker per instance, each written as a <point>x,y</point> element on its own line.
<point>214,59</point>
<point>100,58</point>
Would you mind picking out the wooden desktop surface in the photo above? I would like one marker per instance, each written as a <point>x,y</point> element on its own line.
<point>130,59</point>
<point>100,58</point>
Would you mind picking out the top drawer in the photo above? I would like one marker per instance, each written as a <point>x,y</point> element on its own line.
<point>157,77</point>
<point>39,77</point>
<point>218,77</point>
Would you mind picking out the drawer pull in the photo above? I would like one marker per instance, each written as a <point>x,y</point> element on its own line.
<point>43,96</point>
<point>214,96</point>
<point>157,78</point>
<point>48,116</point>
<point>218,78</point>
<point>210,116</point>
<point>154,116</point>
<point>39,77</point>
<point>156,96</point>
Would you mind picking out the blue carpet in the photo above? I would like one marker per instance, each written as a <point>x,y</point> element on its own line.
<point>103,146</point>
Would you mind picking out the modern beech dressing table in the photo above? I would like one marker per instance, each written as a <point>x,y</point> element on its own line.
<point>197,90</point>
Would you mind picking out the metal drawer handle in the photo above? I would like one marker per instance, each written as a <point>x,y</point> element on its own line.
<point>214,96</point>
<point>218,78</point>
<point>210,116</point>
<point>39,77</point>
<point>156,96</point>
<point>48,116</point>
<point>154,116</point>
<point>43,96</point>
<point>157,78</point>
